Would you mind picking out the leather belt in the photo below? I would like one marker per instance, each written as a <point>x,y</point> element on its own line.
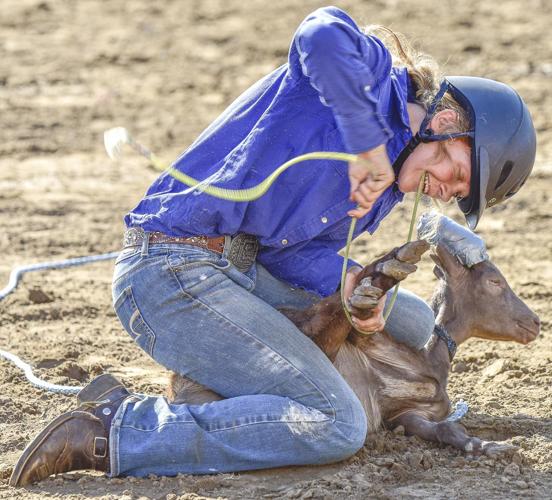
<point>241,253</point>
<point>135,236</point>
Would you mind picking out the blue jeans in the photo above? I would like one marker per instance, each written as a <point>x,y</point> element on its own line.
<point>196,314</point>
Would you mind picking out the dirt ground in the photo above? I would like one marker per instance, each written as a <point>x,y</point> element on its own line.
<point>70,70</point>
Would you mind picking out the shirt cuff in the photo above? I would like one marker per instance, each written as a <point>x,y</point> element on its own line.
<point>350,263</point>
<point>364,131</point>
<point>335,276</point>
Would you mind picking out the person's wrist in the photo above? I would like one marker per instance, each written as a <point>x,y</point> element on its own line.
<point>354,270</point>
<point>374,152</point>
<point>378,158</point>
<point>350,280</point>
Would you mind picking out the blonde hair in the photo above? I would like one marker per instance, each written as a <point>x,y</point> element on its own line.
<point>423,71</point>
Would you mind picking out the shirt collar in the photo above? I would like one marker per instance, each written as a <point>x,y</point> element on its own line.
<point>403,92</point>
<point>402,89</point>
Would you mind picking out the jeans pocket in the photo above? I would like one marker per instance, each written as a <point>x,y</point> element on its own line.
<point>179,261</point>
<point>132,320</point>
<point>128,260</point>
<point>127,253</point>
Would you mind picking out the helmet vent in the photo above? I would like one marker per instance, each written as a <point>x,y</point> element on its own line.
<point>515,189</point>
<point>506,170</point>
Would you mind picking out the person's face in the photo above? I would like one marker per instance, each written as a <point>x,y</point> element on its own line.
<point>448,170</point>
<point>448,165</point>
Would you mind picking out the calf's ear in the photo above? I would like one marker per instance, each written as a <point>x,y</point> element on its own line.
<point>447,264</point>
<point>437,270</point>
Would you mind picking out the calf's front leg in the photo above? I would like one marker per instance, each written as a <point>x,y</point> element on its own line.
<point>454,434</point>
<point>325,322</point>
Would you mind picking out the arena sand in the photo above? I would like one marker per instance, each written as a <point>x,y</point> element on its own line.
<point>72,69</point>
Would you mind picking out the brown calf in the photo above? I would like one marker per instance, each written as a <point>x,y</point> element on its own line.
<point>398,385</point>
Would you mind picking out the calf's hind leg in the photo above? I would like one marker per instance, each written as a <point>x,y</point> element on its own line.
<point>184,390</point>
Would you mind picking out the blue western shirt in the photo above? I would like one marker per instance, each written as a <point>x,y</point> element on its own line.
<point>337,92</point>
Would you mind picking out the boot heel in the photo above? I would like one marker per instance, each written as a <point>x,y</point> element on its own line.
<point>99,388</point>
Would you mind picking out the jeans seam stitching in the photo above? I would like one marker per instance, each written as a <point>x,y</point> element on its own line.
<point>148,335</point>
<point>143,262</point>
<point>193,422</point>
<point>242,330</point>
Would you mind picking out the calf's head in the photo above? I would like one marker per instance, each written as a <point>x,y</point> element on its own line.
<point>480,299</point>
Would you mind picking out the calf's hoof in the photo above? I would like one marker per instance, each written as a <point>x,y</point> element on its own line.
<point>498,449</point>
<point>365,296</point>
<point>396,269</point>
<point>402,264</point>
<point>385,273</point>
<point>491,449</point>
<point>412,252</point>
<point>399,267</point>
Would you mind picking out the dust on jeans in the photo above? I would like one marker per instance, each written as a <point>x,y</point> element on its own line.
<point>303,420</point>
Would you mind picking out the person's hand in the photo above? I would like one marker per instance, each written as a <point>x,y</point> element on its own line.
<point>376,322</point>
<point>370,176</point>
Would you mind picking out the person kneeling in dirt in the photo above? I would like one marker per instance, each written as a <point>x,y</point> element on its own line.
<point>199,280</point>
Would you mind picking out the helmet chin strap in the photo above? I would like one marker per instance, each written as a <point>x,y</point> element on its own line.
<point>405,153</point>
<point>426,134</point>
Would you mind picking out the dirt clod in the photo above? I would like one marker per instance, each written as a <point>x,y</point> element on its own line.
<point>414,459</point>
<point>5,471</point>
<point>39,296</point>
<point>512,470</point>
<point>495,368</point>
<point>460,367</point>
<point>521,484</point>
<point>399,430</point>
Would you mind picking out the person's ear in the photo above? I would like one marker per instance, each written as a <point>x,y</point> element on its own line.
<point>444,121</point>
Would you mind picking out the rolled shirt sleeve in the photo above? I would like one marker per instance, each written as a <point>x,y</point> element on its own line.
<point>344,66</point>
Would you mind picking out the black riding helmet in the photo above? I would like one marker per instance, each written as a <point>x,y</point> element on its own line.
<point>503,140</point>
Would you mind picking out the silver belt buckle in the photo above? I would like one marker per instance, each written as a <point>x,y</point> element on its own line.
<point>243,251</point>
<point>133,237</point>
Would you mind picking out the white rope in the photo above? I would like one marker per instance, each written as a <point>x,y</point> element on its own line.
<point>15,277</point>
<point>461,408</point>
<point>41,384</point>
<point>19,271</point>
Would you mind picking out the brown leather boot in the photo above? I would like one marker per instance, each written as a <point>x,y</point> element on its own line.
<point>75,440</point>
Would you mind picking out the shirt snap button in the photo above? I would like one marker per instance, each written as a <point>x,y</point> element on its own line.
<point>367,88</point>
<point>324,220</point>
<point>284,242</point>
